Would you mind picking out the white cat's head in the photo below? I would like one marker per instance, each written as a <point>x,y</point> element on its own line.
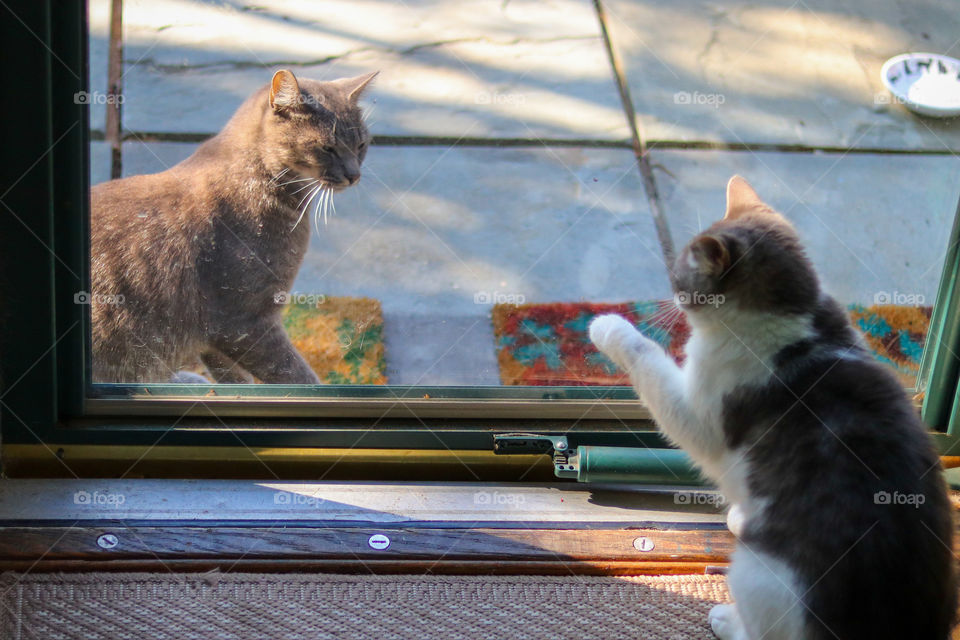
<point>750,260</point>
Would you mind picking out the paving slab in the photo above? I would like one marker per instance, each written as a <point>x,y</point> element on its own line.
<point>873,224</point>
<point>191,33</point>
<point>780,72</point>
<point>439,234</point>
<point>479,68</point>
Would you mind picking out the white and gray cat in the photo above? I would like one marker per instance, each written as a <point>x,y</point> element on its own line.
<point>843,522</point>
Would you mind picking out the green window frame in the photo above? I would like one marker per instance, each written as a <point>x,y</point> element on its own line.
<point>44,177</point>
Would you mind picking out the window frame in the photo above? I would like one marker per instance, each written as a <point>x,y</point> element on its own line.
<point>45,397</point>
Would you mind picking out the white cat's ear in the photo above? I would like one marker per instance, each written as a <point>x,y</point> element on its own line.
<point>741,198</point>
<point>284,90</point>
<point>709,255</point>
<point>354,87</point>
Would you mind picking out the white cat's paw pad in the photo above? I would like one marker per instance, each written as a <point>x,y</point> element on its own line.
<point>725,622</point>
<point>609,331</point>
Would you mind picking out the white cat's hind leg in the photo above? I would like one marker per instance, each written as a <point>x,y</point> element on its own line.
<point>726,624</point>
<point>735,520</point>
<point>767,595</point>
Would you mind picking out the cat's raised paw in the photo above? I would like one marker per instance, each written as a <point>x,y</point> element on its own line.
<point>609,332</point>
<point>619,340</point>
<point>725,623</point>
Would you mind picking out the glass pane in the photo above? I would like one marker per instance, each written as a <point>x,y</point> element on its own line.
<point>500,204</point>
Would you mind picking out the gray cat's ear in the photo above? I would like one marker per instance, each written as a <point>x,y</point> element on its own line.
<point>741,198</point>
<point>284,90</point>
<point>354,87</point>
<point>710,255</point>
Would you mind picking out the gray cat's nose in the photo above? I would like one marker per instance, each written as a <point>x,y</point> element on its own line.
<point>352,178</point>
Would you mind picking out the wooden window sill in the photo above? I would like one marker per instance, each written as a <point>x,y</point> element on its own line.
<point>433,527</point>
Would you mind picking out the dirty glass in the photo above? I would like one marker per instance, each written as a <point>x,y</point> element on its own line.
<point>509,193</point>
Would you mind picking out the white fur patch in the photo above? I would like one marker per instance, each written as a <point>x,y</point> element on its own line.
<point>728,350</point>
<point>768,598</point>
<point>725,622</point>
<point>735,520</point>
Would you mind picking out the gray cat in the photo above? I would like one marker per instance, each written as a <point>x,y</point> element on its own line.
<point>845,530</point>
<point>191,262</point>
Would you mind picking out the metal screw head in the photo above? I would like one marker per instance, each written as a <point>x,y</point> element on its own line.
<point>378,541</point>
<point>560,445</point>
<point>107,541</point>
<point>643,544</point>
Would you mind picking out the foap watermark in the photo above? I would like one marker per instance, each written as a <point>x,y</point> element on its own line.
<point>900,298</point>
<point>292,297</point>
<point>699,498</point>
<point>497,498</point>
<point>698,298</point>
<point>85,297</point>
<point>296,499</point>
<point>502,99</point>
<point>881,98</point>
<point>912,499</point>
<point>96,97</point>
<point>714,100</point>
<point>498,297</point>
<point>103,499</point>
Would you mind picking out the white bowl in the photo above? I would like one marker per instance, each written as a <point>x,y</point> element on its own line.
<point>926,83</point>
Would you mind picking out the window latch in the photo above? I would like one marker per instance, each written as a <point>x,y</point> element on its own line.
<point>584,463</point>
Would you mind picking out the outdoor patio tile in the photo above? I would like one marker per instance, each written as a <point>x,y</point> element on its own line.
<point>482,68</point>
<point>873,224</point>
<point>780,72</point>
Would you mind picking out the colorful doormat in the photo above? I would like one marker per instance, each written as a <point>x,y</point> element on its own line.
<point>548,344</point>
<point>341,338</point>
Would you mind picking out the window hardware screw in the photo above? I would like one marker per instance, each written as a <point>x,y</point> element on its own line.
<point>107,541</point>
<point>643,544</point>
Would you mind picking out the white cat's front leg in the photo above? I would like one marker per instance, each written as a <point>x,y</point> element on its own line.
<point>659,383</point>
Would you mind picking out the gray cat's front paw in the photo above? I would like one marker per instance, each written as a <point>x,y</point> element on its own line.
<point>618,339</point>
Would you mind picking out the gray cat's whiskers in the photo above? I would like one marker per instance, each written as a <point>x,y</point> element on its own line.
<point>312,181</point>
<point>274,179</point>
<point>306,186</point>
<point>308,193</point>
<point>321,204</point>
<point>308,199</point>
<point>326,201</point>
<point>293,181</point>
